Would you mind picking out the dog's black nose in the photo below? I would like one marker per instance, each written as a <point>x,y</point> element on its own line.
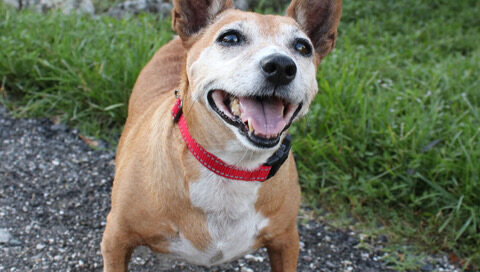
<point>278,69</point>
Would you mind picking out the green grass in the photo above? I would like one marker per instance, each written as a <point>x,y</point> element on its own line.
<point>78,68</point>
<point>395,130</point>
<point>393,135</point>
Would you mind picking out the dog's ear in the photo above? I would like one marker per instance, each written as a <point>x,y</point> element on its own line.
<point>319,19</point>
<point>190,16</point>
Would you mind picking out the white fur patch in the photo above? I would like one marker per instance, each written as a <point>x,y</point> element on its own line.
<point>232,220</point>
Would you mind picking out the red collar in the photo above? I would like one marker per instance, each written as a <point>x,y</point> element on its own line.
<point>221,168</point>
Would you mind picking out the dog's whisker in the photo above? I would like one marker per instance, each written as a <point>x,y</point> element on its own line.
<point>195,100</point>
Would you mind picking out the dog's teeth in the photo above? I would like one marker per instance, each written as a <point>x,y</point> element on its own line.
<point>250,126</point>
<point>235,107</point>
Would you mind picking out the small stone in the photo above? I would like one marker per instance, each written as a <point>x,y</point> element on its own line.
<point>37,257</point>
<point>302,245</point>
<point>352,240</point>
<point>427,268</point>
<point>40,246</point>
<point>307,258</point>
<point>254,258</point>
<point>14,242</point>
<point>58,127</point>
<point>5,236</point>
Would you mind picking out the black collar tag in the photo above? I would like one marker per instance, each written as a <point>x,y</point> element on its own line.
<point>279,157</point>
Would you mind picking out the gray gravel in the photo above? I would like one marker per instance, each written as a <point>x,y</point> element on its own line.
<point>55,195</point>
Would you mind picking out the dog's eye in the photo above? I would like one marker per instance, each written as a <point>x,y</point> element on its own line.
<point>230,38</point>
<point>303,47</point>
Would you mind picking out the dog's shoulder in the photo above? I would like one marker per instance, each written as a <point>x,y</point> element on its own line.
<point>161,75</point>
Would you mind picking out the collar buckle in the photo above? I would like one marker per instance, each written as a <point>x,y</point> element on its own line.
<point>279,157</point>
<point>177,110</point>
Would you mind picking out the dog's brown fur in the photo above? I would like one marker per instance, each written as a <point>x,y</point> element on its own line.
<point>154,168</point>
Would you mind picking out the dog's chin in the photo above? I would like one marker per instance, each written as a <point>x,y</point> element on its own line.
<point>261,120</point>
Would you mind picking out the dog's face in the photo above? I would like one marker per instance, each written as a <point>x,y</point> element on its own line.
<point>256,73</point>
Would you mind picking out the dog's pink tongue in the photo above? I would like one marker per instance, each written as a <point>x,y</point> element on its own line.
<point>266,115</point>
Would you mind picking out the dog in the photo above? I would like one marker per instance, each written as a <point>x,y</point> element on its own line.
<point>204,170</point>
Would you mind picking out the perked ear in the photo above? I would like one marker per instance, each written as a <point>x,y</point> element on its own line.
<point>190,16</point>
<point>319,19</point>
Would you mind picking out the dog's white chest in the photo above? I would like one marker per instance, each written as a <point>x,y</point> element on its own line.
<point>232,220</point>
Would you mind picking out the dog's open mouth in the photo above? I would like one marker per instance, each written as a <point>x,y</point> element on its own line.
<point>261,119</point>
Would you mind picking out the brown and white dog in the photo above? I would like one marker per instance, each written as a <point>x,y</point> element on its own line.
<point>242,78</point>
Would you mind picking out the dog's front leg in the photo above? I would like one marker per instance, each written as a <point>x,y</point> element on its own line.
<point>283,251</point>
<point>117,249</point>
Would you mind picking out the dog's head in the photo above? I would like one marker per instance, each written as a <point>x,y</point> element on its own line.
<point>255,73</point>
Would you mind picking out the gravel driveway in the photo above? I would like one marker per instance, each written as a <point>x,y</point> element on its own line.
<point>55,195</point>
